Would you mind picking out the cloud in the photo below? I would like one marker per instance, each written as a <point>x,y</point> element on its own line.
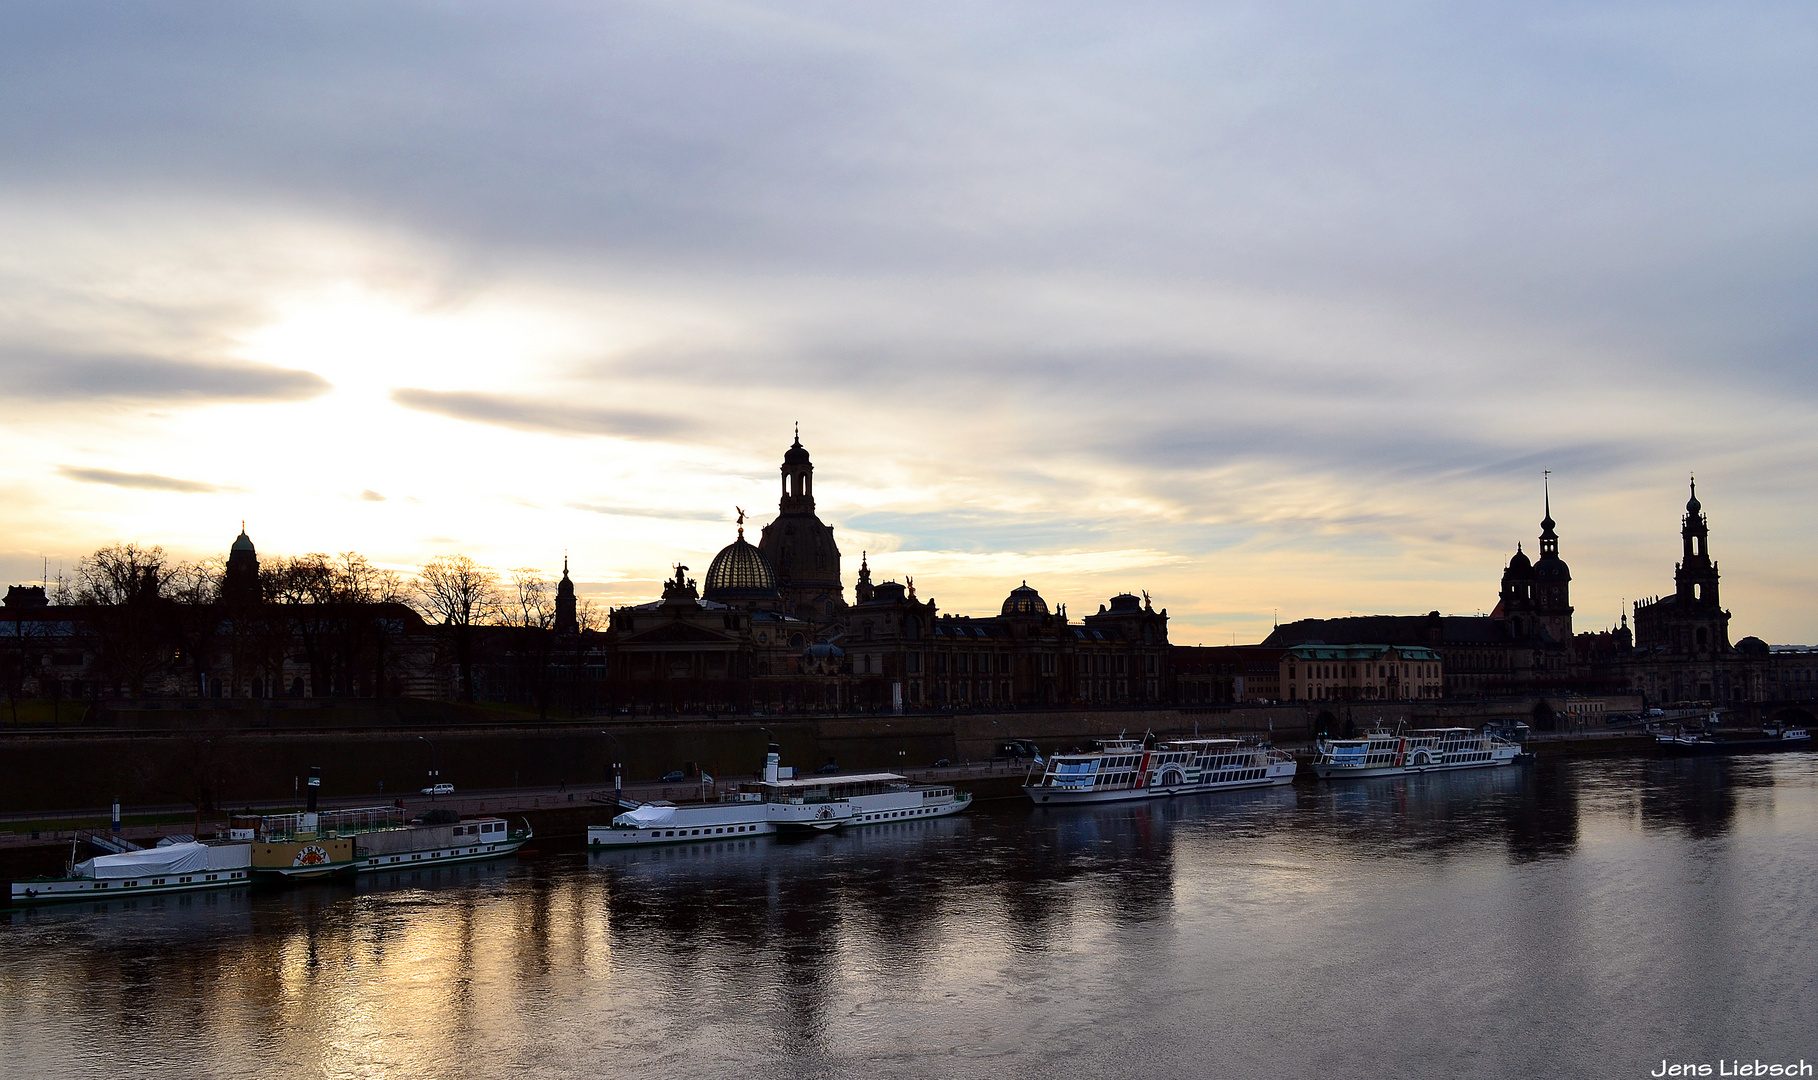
<point>657,512</point>
<point>529,414</point>
<point>148,481</point>
<point>38,376</point>
<point>369,495</point>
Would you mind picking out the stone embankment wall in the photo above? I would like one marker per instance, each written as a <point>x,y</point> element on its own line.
<point>227,756</point>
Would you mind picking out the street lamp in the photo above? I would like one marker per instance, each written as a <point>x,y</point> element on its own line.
<point>434,759</point>
<point>618,769</point>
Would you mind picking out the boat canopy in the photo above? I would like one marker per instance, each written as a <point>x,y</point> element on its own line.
<point>836,781</point>
<point>646,817</point>
<point>190,858</point>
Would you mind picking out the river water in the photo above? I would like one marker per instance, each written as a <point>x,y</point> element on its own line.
<point>1573,919</point>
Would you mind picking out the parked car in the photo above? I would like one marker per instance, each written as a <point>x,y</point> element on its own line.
<point>439,789</point>
<point>674,776</point>
<point>942,763</point>
<point>828,769</point>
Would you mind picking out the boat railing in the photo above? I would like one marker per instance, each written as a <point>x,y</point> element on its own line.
<point>340,822</point>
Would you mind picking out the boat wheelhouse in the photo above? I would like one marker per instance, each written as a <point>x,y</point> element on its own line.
<point>776,805</point>
<point>1382,753</point>
<point>173,866</point>
<point>1132,769</point>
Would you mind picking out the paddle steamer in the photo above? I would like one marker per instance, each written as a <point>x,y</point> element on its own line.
<point>1148,769</point>
<point>1381,753</point>
<point>779,804</point>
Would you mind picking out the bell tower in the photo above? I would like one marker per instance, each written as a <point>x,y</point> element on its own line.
<point>1695,578</point>
<point>800,545</point>
<point>1552,578</point>
<point>798,479</point>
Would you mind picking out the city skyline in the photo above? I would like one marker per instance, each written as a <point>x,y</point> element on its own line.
<point>1259,309</point>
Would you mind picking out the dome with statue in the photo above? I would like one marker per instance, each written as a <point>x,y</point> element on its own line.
<point>740,572</point>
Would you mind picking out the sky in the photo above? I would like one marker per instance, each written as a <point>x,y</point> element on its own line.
<point>1274,310</point>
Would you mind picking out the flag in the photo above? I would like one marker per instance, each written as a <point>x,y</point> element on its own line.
<point>705,779</point>
<point>1038,758</point>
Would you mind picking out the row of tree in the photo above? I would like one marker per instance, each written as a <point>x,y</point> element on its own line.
<point>148,614</point>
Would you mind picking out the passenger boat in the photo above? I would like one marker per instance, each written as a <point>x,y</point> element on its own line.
<point>185,865</point>
<point>1382,753</point>
<point>1132,769</point>
<point>357,841</point>
<point>1684,743</point>
<point>777,805</point>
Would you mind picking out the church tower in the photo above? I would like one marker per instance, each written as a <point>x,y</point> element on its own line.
<point>240,583</point>
<point>1552,581</point>
<point>1695,578</point>
<point>1690,623</point>
<point>565,620</point>
<point>800,546</point>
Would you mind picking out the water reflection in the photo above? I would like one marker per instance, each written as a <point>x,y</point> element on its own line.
<point>1015,941</point>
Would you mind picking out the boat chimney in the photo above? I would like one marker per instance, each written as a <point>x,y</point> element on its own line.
<point>308,830</point>
<point>772,764</point>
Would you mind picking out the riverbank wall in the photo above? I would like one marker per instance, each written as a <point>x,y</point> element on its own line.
<point>224,754</point>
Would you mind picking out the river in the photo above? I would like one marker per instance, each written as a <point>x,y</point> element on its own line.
<point>1590,918</point>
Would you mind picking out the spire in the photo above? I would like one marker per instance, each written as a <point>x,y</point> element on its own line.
<point>1692,505</point>
<point>863,591</point>
<point>1546,487</point>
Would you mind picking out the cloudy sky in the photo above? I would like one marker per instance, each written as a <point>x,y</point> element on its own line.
<point>1259,307</point>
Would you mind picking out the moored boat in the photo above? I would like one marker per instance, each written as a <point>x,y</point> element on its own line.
<point>1383,753</point>
<point>365,839</point>
<point>1124,769</point>
<point>1684,743</point>
<point>173,866</point>
<point>777,804</point>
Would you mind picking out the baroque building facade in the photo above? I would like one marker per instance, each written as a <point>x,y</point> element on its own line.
<point>770,628</point>
<point>1680,649</point>
<point>1522,646</point>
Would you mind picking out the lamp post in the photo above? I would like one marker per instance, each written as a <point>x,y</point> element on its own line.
<point>435,771</point>
<point>618,769</point>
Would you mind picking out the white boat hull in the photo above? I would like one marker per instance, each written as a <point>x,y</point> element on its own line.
<point>1356,772</point>
<point>58,890</point>
<point>448,856</point>
<point>1274,776</point>
<point>720,821</point>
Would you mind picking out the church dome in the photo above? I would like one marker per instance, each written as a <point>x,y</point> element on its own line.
<point>1520,564</point>
<point>1025,601</point>
<point>797,454</point>
<point>242,542</point>
<point>740,572</point>
<point>1692,505</point>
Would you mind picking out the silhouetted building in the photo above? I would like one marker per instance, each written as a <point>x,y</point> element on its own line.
<point>1523,646</point>
<point>240,582</point>
<point>800,546</point>
<point>1682,649</point>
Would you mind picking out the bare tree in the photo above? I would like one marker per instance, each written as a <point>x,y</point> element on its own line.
<point>331,604</point>
<point>123,585</point>
<point>459,595</point>
<point>122,574</point>
<point>531,618</point>
<point>194,589</point>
